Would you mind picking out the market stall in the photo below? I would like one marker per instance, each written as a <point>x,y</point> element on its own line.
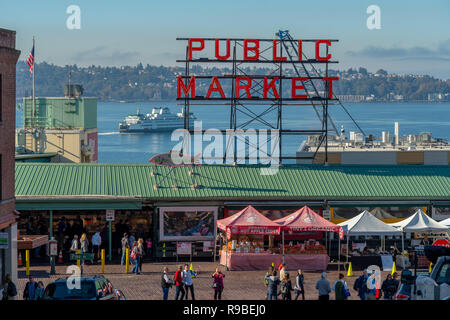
<point>244,248</point>
<point>419,222</point>
<point>365,224</point>
<point>306,220</point>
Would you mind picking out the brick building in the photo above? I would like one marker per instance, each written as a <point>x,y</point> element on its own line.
<point>8,227</point>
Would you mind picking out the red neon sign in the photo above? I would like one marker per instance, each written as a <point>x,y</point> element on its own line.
<point>251,52</point>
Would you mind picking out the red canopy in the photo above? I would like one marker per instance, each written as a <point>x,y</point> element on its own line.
<point>248,221</point>
<point>305,219</point>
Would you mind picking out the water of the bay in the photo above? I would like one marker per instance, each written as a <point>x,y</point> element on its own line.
<point>373,118</point>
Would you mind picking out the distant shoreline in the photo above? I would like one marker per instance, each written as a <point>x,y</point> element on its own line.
<point>172,100</point>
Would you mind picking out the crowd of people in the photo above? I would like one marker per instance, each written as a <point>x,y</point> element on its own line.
<point>279,285</point>
<point>71,235</point>
<point>183,282</point>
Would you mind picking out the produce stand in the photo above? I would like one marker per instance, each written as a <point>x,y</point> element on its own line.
<point>366,224</point>
<point>244,248</point>
<point>306,220</point>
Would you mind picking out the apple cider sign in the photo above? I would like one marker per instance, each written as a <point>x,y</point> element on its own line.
<point>240,51</point>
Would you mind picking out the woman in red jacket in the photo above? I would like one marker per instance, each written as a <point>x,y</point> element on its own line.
<point>218,284</point>
<point>179,283</point>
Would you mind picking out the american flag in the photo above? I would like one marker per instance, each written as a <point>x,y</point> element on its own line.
<point>30,61</point>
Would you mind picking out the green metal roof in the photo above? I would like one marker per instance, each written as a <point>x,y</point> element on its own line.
<point>226,182</point>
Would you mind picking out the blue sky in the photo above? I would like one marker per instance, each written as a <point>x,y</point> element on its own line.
<point>414,35</point>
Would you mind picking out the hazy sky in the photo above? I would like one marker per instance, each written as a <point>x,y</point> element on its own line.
<point>414,35</point>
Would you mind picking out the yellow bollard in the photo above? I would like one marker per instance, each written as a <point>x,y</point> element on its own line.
<point>78,260</point>
<point>350,270</point>
<point>394,269</point>
<point>127,260</point>
<point>27,262</point>
<point>103,261</point>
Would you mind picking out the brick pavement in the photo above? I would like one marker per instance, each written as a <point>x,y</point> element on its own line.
<point>239,285</point>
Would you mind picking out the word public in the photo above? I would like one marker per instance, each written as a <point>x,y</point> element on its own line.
<point>243,84</point>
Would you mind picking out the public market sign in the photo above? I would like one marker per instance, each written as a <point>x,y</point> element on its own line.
<point>252,50</point>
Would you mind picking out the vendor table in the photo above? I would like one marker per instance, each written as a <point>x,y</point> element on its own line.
<point>262,261</point>
<point>362,262</point>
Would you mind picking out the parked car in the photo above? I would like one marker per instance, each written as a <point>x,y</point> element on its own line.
<point>90,288</point>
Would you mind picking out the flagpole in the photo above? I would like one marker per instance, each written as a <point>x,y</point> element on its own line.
<point>34,83</point>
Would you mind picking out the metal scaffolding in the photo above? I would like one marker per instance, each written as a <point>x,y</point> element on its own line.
<point>246,111</point>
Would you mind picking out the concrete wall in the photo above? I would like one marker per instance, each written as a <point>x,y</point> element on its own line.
<point>364,157</point>
<point>436,157</point>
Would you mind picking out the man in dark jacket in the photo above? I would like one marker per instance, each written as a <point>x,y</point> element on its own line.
<point>9,289</point>
<point>361,285</point>
<point>29,293</point>
<point>272,288</point>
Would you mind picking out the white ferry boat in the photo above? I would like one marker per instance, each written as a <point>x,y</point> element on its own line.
<point>161,119</point>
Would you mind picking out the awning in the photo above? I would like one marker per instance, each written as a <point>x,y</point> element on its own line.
<point>249,221</point>
<point>305,219</point>
<point>366,224</point>
<point>419,222</point>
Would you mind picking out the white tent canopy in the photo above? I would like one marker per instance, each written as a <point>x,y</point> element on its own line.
<point>445,222</point>
<point>419,222</point>
<point>366,224</point>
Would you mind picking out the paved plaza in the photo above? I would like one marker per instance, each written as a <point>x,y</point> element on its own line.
<point>239,285</point>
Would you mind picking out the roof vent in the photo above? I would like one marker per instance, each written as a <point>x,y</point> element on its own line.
<point>175,187</point>
<point>155,187</point>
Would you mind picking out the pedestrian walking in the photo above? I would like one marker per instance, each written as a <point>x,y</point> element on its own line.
<point>340,288</point>
<point>125,245</point>
<point>385,287</point>
<point>272,287</point>
<point>84,245</point>
<point>360,285</point>
<point>29,293</point>
<point>187,280</point>
<point>96,243</point>
<point>266,281</point>
<point>9,289</point>
<point>141,251</point>
<point>371,286</point>
<point>299,288</point>
<point>149,247</point>
<point>131,239</point>
<point>75,246</point>
<point>135,257</point>
<point>395,281</point>
<point>323,287</point>
<point>218,284</point>
<point>286,287</point>
<point>39,291</point>
<point>166,283</point>
<point>179,286</point>
<point>282,271</point>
